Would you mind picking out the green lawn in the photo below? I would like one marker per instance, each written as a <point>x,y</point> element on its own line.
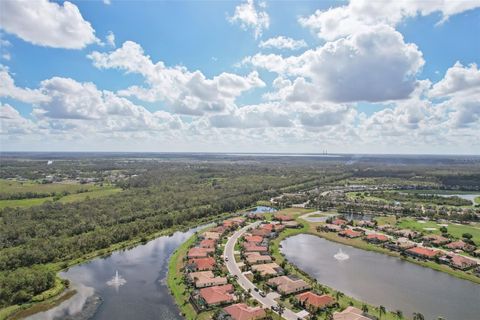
<point>477,200</point>
<point>453,229</point>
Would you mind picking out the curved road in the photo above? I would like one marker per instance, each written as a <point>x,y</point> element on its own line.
<point>242,280</point>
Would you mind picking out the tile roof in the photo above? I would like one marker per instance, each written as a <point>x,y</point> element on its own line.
<point>217,294</point>
<point>241,311</point>
<point>315,300</point>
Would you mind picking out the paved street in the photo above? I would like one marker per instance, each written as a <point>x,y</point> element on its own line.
<point>246,284</point>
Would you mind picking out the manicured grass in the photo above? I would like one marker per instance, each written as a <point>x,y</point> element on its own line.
<point>391,220</point>
<point>477,200</point>
<point>455,230</point>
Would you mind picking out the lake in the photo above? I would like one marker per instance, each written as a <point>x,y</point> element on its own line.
<point>380,279</point>
<point>144,295</point>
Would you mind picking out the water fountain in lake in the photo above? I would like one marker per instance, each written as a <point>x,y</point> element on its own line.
<point>117,281</point>
<point>341,256</point>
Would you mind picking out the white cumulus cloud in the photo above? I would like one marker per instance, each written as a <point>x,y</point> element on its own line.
<point>183,91</point>
<point>357,15</point>
<point>458,79</point>
<point>250,17</point>
<point>282,42</point>
<point>46,23</point>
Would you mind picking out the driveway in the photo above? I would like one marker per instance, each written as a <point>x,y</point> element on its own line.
<point>242,280</point>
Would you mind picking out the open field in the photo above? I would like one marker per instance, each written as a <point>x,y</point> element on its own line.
<point>455,230</point>
<point>12,187</point>
<point>96,192</point>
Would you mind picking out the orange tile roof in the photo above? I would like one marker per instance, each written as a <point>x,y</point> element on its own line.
<point>424,252</point>
<point>376,236</point>
<point>199,252</point>
<point>241,311</point>
<point>217,294</point>
<point>310,298</point>
<point>203,263</point>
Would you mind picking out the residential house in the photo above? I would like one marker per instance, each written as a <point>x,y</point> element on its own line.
<point>350,313</point>
<point>203,279</point>
<point>267,269</point>
<point>462,263</point>
<point>217,295</point>
<point>252,247</point>
<point>201,264</point>
<point>376,238</point>
<point>425,253</point>
<point>255,258</point>
<point>349,233</point>
<point>241,311</point>
<point>339,222</point>
<point>407,233</point>
<point>291,224</point>
<point>332,227</point>
<point>282,217</point>
<point>436,239</point>
<point>400,244</point>
<point>288,284</point>
<point>199,252</point>
<point>254,239</point>
<point>211,235</point>
<point>314,302</point>
<point>460,245</point>
<point>208,243</point>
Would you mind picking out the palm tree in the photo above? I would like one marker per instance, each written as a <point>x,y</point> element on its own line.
<point>338,295</point>
<point>418,316</point>
<point>381,310</point>
<point>399,314</point>
<point>364,308</point>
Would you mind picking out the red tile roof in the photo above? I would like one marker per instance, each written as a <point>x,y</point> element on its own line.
<point>350,233</point>
<point>254,239</point>
<point>207,243</point>
<point>310,298</point>
<point>217,294</point>
<point>425,252</point>
<point>250,247</point>
<point>462,262</point>
<point>203,263</point>
<point>283,217</point>
<point>456,245</point>
<point>199,252</point>
<point>241,311</point>
<point>378,237</point>
<point>339,222</point>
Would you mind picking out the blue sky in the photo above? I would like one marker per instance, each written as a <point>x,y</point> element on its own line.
<point>194,76</point>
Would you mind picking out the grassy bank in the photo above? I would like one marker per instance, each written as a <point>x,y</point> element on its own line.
<point>343,300</point>
<point>311,228</point>
<point>45,300</point>
<point>176,284</point>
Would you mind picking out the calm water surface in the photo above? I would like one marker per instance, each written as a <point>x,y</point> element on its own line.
<point>144,295</point>
<point>383,280</point>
